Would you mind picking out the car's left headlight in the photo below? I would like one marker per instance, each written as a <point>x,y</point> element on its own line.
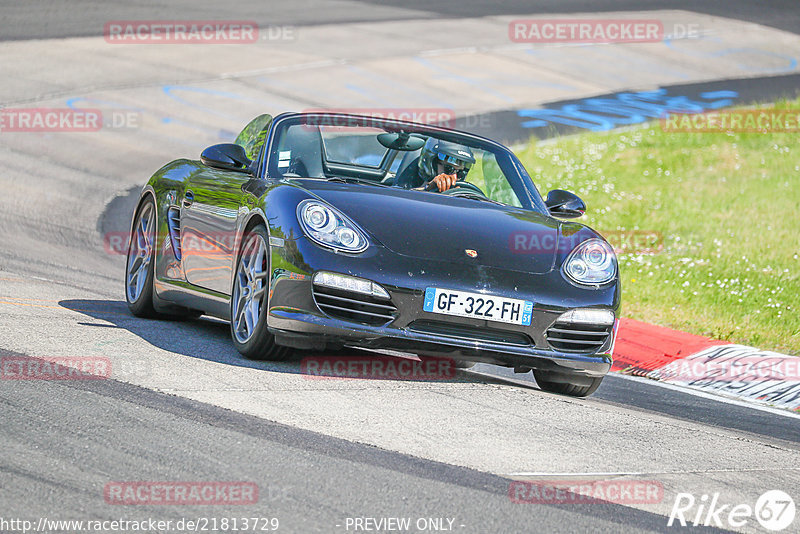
<point>329,227</point>
<point>592,262</point>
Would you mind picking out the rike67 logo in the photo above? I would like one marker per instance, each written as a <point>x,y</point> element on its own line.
<point>774,510</point>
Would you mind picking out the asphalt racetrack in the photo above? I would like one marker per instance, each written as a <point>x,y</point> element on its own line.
<point>182,405</point>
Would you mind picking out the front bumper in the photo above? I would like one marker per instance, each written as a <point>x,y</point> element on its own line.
<point>305,330</point>
<point>296,320</point>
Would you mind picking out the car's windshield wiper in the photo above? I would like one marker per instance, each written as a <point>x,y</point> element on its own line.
<point>353,180</point>
<point>473,196</point>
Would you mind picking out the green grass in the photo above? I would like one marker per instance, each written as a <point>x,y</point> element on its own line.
<point>727,207</point>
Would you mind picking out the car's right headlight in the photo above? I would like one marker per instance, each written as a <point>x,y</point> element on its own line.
<point>329,227</point>
<point>592,262</point>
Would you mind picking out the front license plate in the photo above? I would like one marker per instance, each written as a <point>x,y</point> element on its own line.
<point>478,306</point>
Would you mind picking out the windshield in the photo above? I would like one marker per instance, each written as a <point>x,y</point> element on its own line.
<point>393,154</point>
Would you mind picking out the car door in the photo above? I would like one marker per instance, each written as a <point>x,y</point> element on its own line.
<point>212,205</point>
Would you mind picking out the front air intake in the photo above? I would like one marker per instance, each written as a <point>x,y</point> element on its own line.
<point>575,337</point>
<point>354,306</point>
<point>472,333</point>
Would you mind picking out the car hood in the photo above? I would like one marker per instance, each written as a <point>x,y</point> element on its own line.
<point>442,228</point>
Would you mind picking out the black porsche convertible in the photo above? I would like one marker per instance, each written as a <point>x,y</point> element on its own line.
<point>322,231</point>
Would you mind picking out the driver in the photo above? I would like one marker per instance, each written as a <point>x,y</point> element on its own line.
<point>442,164</point>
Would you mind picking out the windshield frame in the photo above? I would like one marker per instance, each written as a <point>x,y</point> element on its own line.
<point>507,160</point>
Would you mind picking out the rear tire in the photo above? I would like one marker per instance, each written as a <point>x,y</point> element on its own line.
<point>249,301</point>
<point>564,384</point>
<point>139,266</point>
<point>140,270</point>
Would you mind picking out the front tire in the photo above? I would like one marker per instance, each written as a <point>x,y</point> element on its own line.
<point>249,301</point>
<point>139,266</point>
<point>564,384</point>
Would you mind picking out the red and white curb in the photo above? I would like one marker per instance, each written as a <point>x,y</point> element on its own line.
<point>708,365</point>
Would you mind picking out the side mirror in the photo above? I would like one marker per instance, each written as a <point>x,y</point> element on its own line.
<point>226,156</point>
<point>564,204</point>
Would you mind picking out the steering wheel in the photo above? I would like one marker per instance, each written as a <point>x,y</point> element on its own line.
<point>464,189</point>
